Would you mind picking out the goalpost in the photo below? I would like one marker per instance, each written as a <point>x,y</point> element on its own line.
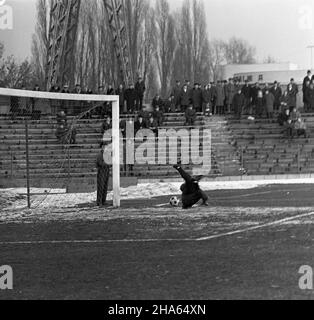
<point>87,98</point>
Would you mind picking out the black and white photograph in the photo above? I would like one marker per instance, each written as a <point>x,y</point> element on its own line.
<point>156,150</point>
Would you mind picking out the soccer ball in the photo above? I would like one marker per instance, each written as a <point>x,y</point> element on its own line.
<point>174,202</point>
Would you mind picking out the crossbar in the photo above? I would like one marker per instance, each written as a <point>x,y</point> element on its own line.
<point>56,95</point>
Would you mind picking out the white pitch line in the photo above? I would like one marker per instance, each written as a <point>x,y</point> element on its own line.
<point>270,224</point>
<point>222,235</point>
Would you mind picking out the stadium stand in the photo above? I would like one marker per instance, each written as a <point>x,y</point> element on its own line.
<point>54,164</point>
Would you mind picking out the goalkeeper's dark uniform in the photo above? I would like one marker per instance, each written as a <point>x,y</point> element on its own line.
<point>191,191</point>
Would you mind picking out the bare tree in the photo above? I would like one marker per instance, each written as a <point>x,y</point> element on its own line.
<point>166,44</point>
<point>40,41</point>
<point>192,56</point>
<point>1,50</point>
<point>269,59</point>
<point>14,74</point>
<point>135,14</point>
<point>239,51</point>
<point>217,58</point>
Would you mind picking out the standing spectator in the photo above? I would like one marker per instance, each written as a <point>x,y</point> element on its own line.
<point>130,98</point>
<point>246,91</point>
<point>158,116</point>
<point>110,90</point>
<point>140,90</point>
<point>55,104</point>
<point>196,95</point>
<point>305,89</point>
<point>121,93</point>
<point>65,89</point>
<point>277,93</point>
<point>176,93</point>
<point>237,85</point>
<point>292,94</point>
<point>188,85</point>
<point>101,110</point>
<point>284,101</point>
<point>34,103</point>
<point>213,95</point>
<point>307,78</point>
<point>207,101</point>
<point>310,97</point>
<point>103,172</point>
<point>190,116</point>
<point>260,106</point>
<point>77,108</point>
<point>269,102</point>
<point>229,92</point>
<point>185,98</point>
<point>238,103</point>
<point>254,93</point>
<point>78,89</point>
<point>220,98</point>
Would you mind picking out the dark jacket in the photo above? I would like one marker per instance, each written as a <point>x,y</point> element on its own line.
<point>176,93</point>
<point>254,94</point>
<point>121,94</point>
<point>130,98</point>
<point>140,126</point>
<point>292,94</point>
<point>157,102</point>
<point>246,90</point>
<point>197,98</point>
<point>238,102</point>
<point>185,98</point>
<point>277,93</point>
<point>152,125</point>
<point>310,98</point>
<point>140,88</point>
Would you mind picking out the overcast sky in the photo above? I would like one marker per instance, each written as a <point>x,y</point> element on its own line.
<point>280,28</point>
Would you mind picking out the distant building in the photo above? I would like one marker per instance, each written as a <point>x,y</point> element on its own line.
<point>266,73</point>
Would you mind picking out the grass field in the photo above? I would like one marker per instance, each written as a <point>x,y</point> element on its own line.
<point>249,244</point>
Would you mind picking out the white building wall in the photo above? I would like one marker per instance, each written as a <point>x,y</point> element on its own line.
<point>228,71</point>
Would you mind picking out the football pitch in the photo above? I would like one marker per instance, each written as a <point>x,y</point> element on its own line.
<point>249,244</point>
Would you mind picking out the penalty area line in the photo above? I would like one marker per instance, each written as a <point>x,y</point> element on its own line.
<point>261,226</point>
<point>203,239</point>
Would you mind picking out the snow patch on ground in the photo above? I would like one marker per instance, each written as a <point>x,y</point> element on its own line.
<point>58,198</point>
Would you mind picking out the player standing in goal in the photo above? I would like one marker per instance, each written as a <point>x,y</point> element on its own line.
<point>191,191</point>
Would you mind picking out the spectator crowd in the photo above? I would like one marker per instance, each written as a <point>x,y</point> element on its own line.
<point>221,98</point>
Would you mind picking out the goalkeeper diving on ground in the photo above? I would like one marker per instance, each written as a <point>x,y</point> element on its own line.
<point>191,191</point>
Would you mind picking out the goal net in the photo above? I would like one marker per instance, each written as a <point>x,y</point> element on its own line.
<point>50,142</point>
